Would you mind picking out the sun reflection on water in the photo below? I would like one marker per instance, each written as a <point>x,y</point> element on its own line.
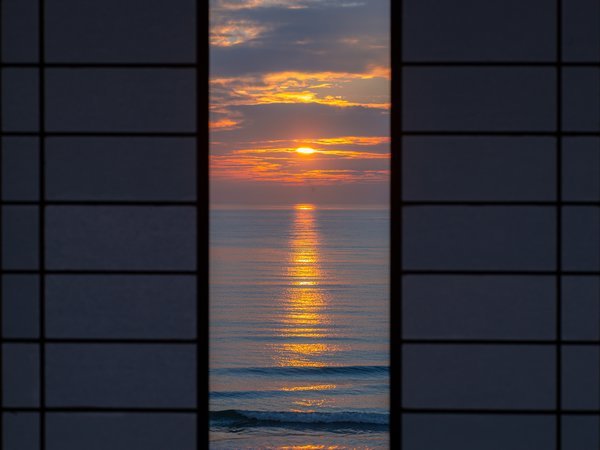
<point>305,320</point>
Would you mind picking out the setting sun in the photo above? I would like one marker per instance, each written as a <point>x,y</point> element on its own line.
<point>306,150</point>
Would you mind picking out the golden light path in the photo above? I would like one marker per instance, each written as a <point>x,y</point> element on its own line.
<point>305,324</point>
<point>305,320</point>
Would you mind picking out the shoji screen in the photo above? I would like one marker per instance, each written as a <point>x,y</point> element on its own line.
<point>99,260</point>
<point>497,247</point>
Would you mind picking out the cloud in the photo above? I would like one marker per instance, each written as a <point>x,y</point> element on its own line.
<point>304,121</point>
<point>318,155</point>
<point>238,103</point>
<point>223,124</point>
<point>286,4</point>
<point>369,89</point>
<point>359,162</point>
<point>299,73</point>
<point>223,119</point>
<point>329,38</point>
<point>340,141</point>
<point>354,140</point>
<point>250,4</point>
<point>235,32</point>
<point>289,171</point>
<point>308,56</point>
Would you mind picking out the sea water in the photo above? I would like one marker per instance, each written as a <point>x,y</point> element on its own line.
<point>299,327</point>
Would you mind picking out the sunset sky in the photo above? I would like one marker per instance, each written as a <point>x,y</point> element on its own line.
<point>299,74</point>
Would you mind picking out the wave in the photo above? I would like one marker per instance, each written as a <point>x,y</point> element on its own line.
<point>271,393</point>
<point>342,419</point>
<point>311,392</point>
<point>322,370</point>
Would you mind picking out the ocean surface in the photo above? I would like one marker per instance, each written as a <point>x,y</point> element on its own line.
<point>299,327</point>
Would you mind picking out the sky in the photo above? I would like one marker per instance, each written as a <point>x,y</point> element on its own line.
<point>308,74</point>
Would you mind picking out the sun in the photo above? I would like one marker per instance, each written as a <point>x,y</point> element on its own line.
<point>306,150</point>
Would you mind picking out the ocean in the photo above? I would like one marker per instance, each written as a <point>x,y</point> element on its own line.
<point>299,327</point>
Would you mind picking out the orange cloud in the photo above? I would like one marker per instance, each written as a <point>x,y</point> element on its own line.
<point>249,4</point>
<point>346,154</point>
<point>223,124</point>
<point>326,166</point>
<point>293,76</point>
<point>353,140</point>
<point>235,32</point>
<point>288,4</point>
<point>341,141</point>
<point>263,169</point>
<point>341,89</point>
